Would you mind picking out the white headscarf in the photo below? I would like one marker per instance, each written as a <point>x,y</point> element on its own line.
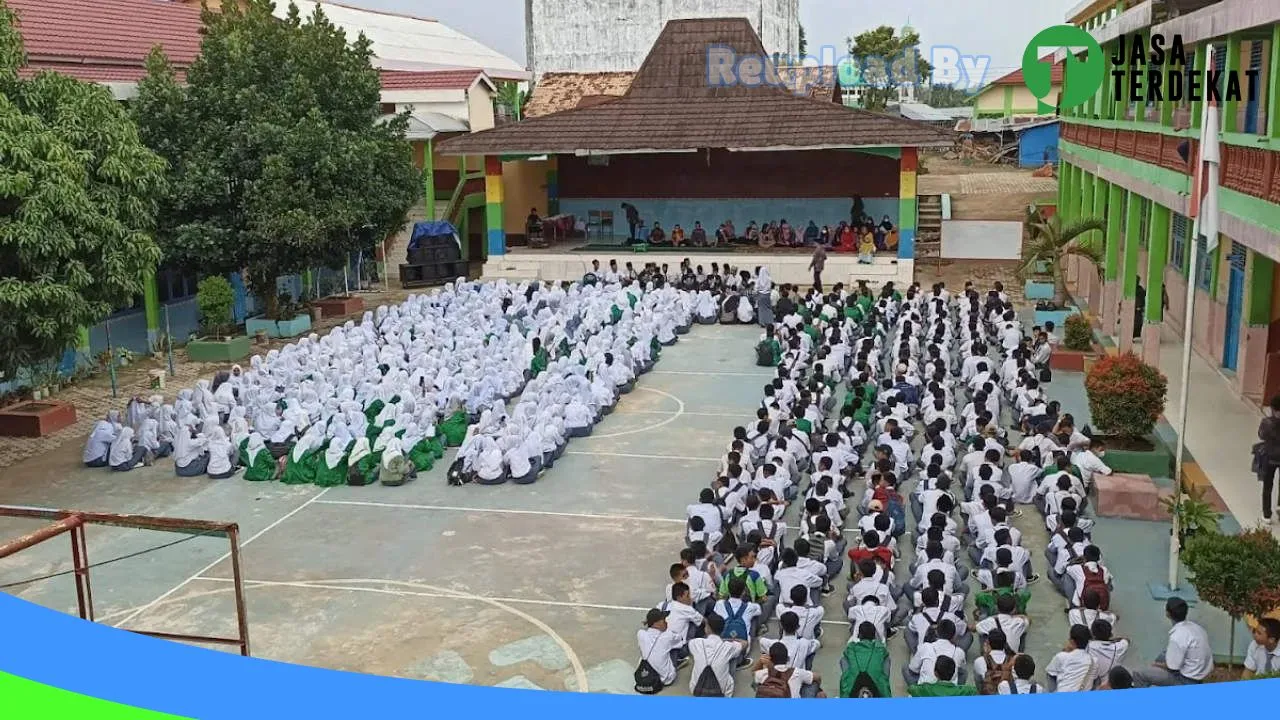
<point>360,451</point>
<point>255,445</point>
<point>121,447</point>
<point>337,447</point>
<point>99,443</point>
<point>149,435</point>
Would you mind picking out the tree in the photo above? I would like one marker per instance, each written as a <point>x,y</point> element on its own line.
<point>945,96</point>
<point>1051,242</point>
<point>1239,574</point>
<point>803,45</point>
<point>279,160</point>
<point>78,197</point>
<point>511,97</point>
<point>886,61</point>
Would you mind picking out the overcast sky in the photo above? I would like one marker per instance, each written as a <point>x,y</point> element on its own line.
<point>997,28</point>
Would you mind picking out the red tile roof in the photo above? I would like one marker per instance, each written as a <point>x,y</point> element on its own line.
<point>119,30</point>
<point>1015,77</point>
<point>429,79</point>
<point>88,72</point>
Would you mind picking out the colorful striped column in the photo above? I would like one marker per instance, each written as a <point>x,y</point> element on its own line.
<point>493,205</point>
<point>553,186</point>
<point>907,205</point>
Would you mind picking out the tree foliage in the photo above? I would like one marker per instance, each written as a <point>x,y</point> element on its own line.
<point>78,197</point>
<point>887,60</point>
<point>1239,574</point>
<point>1052,242</point>
<point>803,48</point>
<point>946,96</point>
<point>512,99</point>
<point>279,160</point>
<point>1126,395</point>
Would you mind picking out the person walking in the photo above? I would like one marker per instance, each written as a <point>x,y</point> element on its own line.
<point>1266,458</point>
<point>816,264</point>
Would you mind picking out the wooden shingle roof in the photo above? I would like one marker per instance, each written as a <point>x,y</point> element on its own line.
<point>670,105</point>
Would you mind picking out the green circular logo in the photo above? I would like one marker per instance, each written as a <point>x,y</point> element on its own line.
<point>1081,77</point>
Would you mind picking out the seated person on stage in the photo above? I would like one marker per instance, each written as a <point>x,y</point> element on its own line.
<point>657,236</point>
<point>753,233</point>
<point>786,234</point>
<point>730,232</point>
<point>825,237</point>
<point>866,250</point>
<point>882,232</point>
<point>867,233</point>
<point>769,235</point>
<point>811,233</point>
<point>848,241</point>
<point>699,236</point>
<point>722,235</point>
<point>677,235</point>
<point>533,223</point>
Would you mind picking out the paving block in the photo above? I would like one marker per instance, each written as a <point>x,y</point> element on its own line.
<point>1130,495</point>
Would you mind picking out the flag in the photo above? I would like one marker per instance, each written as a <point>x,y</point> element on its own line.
<point>1204,194</point>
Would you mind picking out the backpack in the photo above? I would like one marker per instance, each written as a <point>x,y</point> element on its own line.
<point>996,673</point>
<point>817,546</point>
<point>648,682</point>
<point>776,685</point>
<point>456,475</point>
<point>735,625</point>
<point>764,354</point>
<point>1096,581</point>
<point>708,684</point>
<point>931,633</point>
<point>856,681</point>
<point>897,512</point>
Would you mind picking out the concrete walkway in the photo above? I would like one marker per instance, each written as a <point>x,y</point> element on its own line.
<point>1221,431</point>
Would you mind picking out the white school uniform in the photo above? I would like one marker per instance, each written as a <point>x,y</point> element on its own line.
<point>656,646</point>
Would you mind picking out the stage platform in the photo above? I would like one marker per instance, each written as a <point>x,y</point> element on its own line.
<point>559,264</point>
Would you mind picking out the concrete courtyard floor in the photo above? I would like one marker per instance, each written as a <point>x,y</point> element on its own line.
<point>538,586</point>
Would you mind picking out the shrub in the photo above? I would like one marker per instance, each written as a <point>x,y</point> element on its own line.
<point>1239,574</point>
<point>216,301</point>
<point>1126,396</point>
<point>1078,333</point>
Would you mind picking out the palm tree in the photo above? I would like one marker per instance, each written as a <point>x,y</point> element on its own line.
<point>512,98</point>
<point>1051,242</point>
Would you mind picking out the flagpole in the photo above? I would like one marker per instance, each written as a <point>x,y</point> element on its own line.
<point>1206,159</point>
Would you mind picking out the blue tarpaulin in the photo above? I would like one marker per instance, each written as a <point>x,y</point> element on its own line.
<point>432,228</point>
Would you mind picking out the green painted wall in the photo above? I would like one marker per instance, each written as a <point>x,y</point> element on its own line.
<point>1132,229</point>
<point>1261,276</point>
<point>1115,231</point>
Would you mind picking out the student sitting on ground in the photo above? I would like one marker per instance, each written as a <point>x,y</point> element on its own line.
<point>98,446</point>
<point>864,666</point>
<point>1107,651</point>
<point>714,660</point>
<point>1188,657</point>
<point>660,649</point>
<point>1073,669</point>
<point>800,649</point>
<point>994,665</point>
<point>943,683</point>
<point>1024,668</point>
<point>1263,655</point>
<point>1087,574</point>
<point>777,675</point>
<point>936,643</point>
<point>1011,625</point>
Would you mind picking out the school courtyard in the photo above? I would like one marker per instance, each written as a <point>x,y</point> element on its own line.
<point>540,586</point>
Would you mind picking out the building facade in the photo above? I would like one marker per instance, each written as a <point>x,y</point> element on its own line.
<point>1008,97</point>
<point>1130,164</point>
<point>615,35</point>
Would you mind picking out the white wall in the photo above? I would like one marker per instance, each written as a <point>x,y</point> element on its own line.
<point>981,240</point>
<point>616,35</point>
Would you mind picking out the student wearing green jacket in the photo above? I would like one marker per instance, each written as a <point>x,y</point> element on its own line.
<point>865,656</point>
<point>258,462</point>
<point>985,601</point>
<point>454,428</point>
<point>540,359</point>
<point>944,668</point>
<point>746,557</point>
<point>331,467</point>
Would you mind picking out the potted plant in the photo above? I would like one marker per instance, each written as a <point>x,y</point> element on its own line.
<point>288,320</point>
<point>1193,513</point>
<point>1049,244</point>
<point>1126,399</point>
<point>1077,352</point>
<point>220,343</point>
<point>1238,574</point>
<point>1036,276</point>
<point>124,356</point>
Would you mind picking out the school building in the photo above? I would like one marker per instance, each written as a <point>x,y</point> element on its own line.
<point>682,151</point>
<point>1122,162</point>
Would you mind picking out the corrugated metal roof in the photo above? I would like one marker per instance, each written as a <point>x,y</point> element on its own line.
<point>426,125</point>
<point>404,42</point>
<point>923,113</point>
<point>670,106</point>
<point>113,30</point>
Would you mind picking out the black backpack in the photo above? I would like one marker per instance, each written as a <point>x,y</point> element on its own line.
<point>708,685</point>
<point>648,682</point>
<point>764,354</point>
<point>456,475</point>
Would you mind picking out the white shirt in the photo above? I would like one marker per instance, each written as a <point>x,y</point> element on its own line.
<point>1000,657</point>
<point>1189,652</point>
<point>810,617</point>
<point>1089,463</point>
<point>1082,616</point>
<point>1074,670</point>
<point>709,513</point>
<point>928,653</point>
<point>799,677</point>
<point>718,654</point>
<point>789,577</point>
<point>1256,658</point>
<point>1108,654</point>
<point>751,613</point>
<point>877,615</point>
<point>1014,626</point>
<point>656,646</point>
<point>1024,687</point>
<point>680,619</point>
<point>798,649</point>
<point>1022,477</point>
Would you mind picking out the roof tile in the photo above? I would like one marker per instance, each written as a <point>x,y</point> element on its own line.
<point>114,30</point>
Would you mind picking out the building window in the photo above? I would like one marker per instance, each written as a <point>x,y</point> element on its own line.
<point>1204,265</point>
<point>1144,224</point>
<point>1178,247</point>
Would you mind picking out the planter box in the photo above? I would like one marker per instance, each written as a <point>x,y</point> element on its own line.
<point>1057,317</point>
<point>1038,290</point>
<point>1074,360</point>
<point>36,418</point>
<point>213,350</point>
<point>332,307</point>
<point>337,306</point>
<point>1130,495</point>
<point>1156,463</point>
<point>279,328</point>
